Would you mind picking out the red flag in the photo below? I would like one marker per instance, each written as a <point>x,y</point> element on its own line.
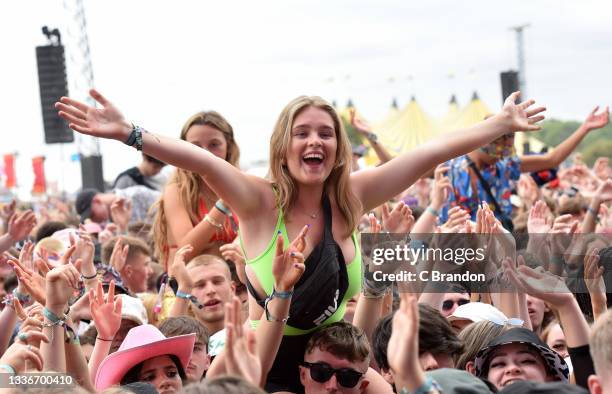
<point>9,171</point>
<point>40,184</point>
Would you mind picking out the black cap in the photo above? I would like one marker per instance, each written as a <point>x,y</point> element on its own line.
<point>555,364</point>
<point>83,202</point>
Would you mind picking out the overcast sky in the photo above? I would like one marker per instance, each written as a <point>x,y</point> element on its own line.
<point>161,61</point>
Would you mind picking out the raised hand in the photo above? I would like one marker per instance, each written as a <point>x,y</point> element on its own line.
<point>84,248</point>
<point>233,253</point>
<point>121,212</point>
<point>403,347</point>
<point>119,256</point>
<point>109,232</point>
<point>399,219</point>
<point>241,355</point>
<point>597,120</point>
<point>538,283</point>
<point>538,219</point>
<point>8,210</point>
<point>442,187</point>
<point>61,283</point>
<point>288,266</point>
<point>528,190</point>
<point>604,191</point>
<point>21,224</point>
<point>30,281</point>
<point>593,273</point>
<point>30,331</point>
<point>106,313</point>
<point>18,354</point>
<point>457,218</point>
<point>107,122</point>
<point>521,117</point>
<point>359,124</point>
<point>178,270</point>
<point>601,168</point>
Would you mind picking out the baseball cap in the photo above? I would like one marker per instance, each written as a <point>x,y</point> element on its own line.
<point>83,202</point>
<point>478,311</point>
<point>133,309</point>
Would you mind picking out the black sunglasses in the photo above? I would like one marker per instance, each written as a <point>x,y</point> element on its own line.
<point>322,372</point>
<point>448,304</point>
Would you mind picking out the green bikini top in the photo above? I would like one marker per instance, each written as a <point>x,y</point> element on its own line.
<point>262,266</point>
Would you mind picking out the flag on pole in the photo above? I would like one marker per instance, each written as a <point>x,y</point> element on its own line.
<point>40,184</point>
<point>9,171</point>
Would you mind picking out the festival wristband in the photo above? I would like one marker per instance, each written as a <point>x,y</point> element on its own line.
<point>8,369</point>
<point>189,297</point>
<point>281,294</point>
<point>432,211</point>
<point>221,207</point>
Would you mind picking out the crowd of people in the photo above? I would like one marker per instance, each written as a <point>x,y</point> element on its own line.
<point>223,282</point>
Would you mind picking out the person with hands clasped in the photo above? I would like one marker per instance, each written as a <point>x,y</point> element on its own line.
<point>311,183</point>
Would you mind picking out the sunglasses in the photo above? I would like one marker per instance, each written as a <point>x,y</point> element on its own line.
<point>322,372</point>
<point>448,304</point>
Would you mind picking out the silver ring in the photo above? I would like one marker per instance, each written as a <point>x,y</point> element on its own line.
<point>30,347</point>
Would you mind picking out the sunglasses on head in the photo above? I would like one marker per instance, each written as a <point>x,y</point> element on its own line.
<point>322,372</point>
<point>448,304</point>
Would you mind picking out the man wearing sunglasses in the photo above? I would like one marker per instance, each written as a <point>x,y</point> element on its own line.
<point>452,301</point>
<point>336,360</point>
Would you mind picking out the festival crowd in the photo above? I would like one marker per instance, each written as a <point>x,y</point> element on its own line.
<point>218,281</point>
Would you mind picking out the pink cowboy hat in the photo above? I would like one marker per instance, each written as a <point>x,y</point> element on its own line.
<point>140,344</point>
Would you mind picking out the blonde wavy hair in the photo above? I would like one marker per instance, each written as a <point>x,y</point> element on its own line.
<point>190,184</point>
<point>337,183</point>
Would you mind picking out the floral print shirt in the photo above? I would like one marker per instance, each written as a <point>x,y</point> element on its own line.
<point>500,177</point>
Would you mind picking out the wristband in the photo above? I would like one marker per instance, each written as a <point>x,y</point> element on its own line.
<point>221,207</point>
<point>372,137</point>
<point>284,295</point>
<point>23,298</point>
<point>53,318</point>
<point>432,211</point>
<point>213,222</point>
<point>8,369</point>
<point>189,297</point>
<point>135,137</point>
<point>269,316</point>
<point>94,276</point>
<point>594,213</point>
<point>104,340</point>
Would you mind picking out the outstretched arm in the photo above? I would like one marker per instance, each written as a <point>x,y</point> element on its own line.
<point>236,188</point>
<point>552,159</point>
<point>377,185</point>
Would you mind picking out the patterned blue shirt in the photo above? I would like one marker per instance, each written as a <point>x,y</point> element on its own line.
<point>500,177</point>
